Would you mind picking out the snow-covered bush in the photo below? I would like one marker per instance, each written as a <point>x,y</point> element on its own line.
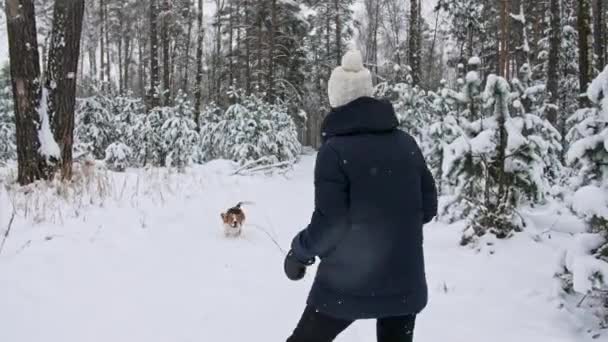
<point>8,149</point>
<point>251,131</point>
<point>118,156</point>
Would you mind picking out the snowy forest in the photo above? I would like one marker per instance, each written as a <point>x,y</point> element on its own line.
<point>113,111</point>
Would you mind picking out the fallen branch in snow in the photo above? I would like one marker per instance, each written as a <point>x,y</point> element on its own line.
<point>280,165</point>
<point>582,301</point>
<point>8,229</point>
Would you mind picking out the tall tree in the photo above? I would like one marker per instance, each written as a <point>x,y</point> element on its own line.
<point>414,44</point>
<point>504,48</point>
<point>102,46</point>
<point>585,38</point>
<point>44,117</point>
<point>154,98</point>
<point>61,76</point>
<point>25,79</point>
<point>166,45</point>
<point>555,41</point>
<point>599,32</point>
<point>199,64</point>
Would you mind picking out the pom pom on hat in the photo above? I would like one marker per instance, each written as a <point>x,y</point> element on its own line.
<point>349,81</point>
<point>352,61</point>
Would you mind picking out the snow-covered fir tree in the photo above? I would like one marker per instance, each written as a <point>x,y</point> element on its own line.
<point>411,102</point>
<point>8,149</point>
<point>118,156</point>
<point>585,270</point>
<point>443,130</point>
<point>179,135</point>
<point>251,131</point>
<point>95,128</point>
<point>500,163</point>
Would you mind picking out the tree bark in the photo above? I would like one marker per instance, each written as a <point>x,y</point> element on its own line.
<point>107,42</point>
<point>199,66</point>
<point>555,41</point>
<point>414,43</point>
<point>61,77</point>
<point>247,48</point>
<point>271,52</point>
<point>585,51</point>
<point>102,64</point>
<point>504,49</point>
<point>166,56</point>
<point>25,78</point>
<point>338,32</point>
<point>154,98</point>
<point>599,32</point>
<point>186,64</point>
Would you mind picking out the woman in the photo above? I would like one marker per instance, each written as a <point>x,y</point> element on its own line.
<point>373,193</point>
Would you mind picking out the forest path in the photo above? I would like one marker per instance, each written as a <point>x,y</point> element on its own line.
<point>166,273</point>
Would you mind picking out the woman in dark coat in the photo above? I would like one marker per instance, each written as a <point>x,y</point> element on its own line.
<point>373,194</point>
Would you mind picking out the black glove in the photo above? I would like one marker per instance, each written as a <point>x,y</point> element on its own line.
<point>294,268</point>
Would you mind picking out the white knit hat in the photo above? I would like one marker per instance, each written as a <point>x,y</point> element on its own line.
<point>349,81</point>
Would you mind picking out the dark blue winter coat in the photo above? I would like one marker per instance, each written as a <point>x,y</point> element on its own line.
<point>373,193</point>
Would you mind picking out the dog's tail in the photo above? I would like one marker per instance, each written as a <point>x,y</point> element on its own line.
<point>240,204</point>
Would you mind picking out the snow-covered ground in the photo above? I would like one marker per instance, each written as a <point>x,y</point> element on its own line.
<point>151,264</point>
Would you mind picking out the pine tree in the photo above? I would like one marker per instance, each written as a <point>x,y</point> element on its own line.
<point>61,77</point>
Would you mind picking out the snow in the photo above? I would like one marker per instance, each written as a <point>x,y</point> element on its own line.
<point>473,77</point>
<point>519,17</point>
<point>598,92</point>
<point>48,146</point>
<point>535,90</point>
<point>474,61</point>
<point>584,266</point>
<point>579,148</point>
<point>152,265</point>
<point>591,201</point>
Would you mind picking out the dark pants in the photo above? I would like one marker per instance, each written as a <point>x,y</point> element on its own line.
<point>317,327</point>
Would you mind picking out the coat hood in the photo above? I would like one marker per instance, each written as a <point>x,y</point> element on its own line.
<point>362,116</point>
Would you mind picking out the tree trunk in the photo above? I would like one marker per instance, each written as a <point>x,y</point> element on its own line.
<point>102,64</point>
<point>271,52</point>
<point>599,31</point>
<point>199,66</point>
<point>260,23</point>
<point>338,32</point>
<point>585,51</point>
<point>504,49</point>
<point>25,78</point>
<point>555,41</point>
<point>127,62</point>
<point>217,72</point>
<point>120,55</point>
<point>247,49</point>
<point>154,100</point>
<point>107,42</point>
<point>61,77</point>
<point>230,44</point>
<point>414,44</point>
<point>166,59</point>
<point>186,64</point>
